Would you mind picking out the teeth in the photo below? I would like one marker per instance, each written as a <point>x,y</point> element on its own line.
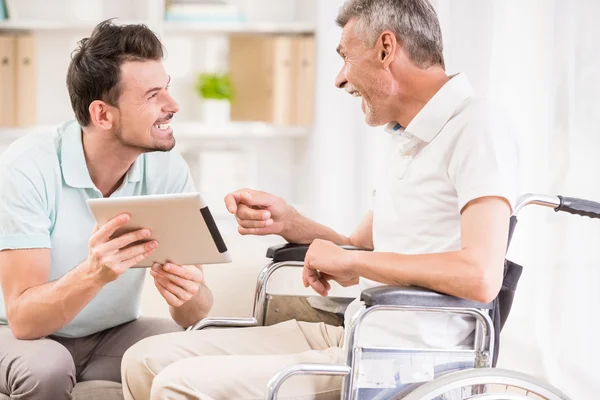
<point>162,127</point>
<point>355,93</point>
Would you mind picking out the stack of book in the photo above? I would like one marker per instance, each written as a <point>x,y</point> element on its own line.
<point>17,80</point>
<point>220,11</point>
<point>273,77</point>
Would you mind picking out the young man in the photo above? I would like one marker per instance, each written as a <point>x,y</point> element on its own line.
<point>68,296</point>
<point>439,220</point>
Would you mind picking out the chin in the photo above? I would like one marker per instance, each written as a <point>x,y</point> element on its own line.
<point>373,120</point>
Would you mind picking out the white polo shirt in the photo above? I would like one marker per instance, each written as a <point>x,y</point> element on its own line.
<point>44,185</point>
<point>457,148</point>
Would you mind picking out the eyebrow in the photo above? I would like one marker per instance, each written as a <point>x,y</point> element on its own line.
<point>157,88</point>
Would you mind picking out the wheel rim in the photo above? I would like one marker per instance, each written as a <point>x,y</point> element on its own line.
<point>488,377</point>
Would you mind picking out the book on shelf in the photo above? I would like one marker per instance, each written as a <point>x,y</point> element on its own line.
<point>18,80</point>
<point>273,78</point>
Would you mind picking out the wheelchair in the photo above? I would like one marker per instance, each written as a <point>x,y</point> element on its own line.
<point>458,374</point>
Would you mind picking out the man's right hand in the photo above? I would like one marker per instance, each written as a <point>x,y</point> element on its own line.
<point>259,213</point>
<point>108,259</point>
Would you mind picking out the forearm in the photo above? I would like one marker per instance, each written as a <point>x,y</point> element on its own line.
<point>42,310</point>
<point>458,273</point>
<point>303,230</point>
<point>194,309</point>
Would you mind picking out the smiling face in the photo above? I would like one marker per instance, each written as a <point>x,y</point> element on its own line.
<point>366,73</point>
<point>145,107</point>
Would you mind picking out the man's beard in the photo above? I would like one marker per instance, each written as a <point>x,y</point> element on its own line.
<point>145,149</point>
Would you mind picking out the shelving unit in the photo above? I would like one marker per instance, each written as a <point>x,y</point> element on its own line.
<point>167,27</point>
<point>275,150</point>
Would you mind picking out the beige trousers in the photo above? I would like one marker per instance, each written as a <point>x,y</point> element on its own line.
<point>232,363</point>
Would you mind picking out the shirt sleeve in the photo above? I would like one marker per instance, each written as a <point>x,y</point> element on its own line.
<point>485,162</point>
<point>24,220</point>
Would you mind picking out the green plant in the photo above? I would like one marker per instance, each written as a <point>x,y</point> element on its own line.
<point>214,86</point>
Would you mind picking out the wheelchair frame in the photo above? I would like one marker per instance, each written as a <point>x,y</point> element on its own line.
<point>388,298</point>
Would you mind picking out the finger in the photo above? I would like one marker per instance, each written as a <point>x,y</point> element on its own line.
<point>318,285</point>
<point>171,299</point>
<point>133,251</point>
<point>190,283</point>
<point>256,231</point>
<point>305,276</point>
<point>188,286</point>
<point>245,223</point>
<point>188,272</point>
<point>258,199</point>
<point>174,289</point>
<point>126,239</point>
<point>231,202</point>
<point>106,231</point>
<point>246,213</point>
<point>128,263</point>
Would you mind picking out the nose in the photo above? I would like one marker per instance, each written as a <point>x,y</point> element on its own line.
<point>171,106</point>
<point>340,79</point>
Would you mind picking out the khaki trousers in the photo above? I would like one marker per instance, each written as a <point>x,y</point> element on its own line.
<point>232,363</point>
<point>48,368</point>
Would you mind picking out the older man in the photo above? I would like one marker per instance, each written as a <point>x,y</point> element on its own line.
<point>439,220</point>
<point>70,299</point>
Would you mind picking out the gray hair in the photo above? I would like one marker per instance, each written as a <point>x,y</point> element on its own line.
<point>414,22</point>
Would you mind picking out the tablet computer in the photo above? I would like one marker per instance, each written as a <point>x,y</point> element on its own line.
<point>181,223</point>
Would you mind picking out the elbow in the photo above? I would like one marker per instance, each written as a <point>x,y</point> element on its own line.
<point>20,330</point>
<point>486,283</point>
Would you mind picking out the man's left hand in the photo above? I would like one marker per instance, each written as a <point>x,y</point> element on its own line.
<point>177,283</point>
<point>327,261</point>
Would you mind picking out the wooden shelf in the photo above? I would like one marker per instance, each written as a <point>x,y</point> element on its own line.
<point>40,25</point>
<point>167,26</point>
<point>191,130</point>
<point>267,27</point>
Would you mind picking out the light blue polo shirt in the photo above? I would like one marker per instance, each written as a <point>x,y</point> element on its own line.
<point>44,185</point>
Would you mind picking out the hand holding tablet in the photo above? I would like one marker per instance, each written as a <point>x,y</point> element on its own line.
<point>181,224</point>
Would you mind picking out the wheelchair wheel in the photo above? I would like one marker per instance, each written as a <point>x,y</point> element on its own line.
<point>485,384</point>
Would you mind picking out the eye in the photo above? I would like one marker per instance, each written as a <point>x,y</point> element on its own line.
<point>153,95</point>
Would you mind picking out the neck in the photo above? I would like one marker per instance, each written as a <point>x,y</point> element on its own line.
<point>420,88</point>
<point>107,159</point>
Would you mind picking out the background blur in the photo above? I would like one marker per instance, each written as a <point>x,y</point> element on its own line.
<point>289,131</point>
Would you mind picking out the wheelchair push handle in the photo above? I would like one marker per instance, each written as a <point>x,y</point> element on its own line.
<point>573,205</point>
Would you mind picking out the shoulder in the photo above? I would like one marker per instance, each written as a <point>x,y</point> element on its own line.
<point>481,124</point>
<point>33,157</point>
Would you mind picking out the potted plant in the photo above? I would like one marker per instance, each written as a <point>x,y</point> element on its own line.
<point>216,92</point>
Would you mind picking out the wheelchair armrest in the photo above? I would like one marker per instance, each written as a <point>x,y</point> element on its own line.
<point>416,297</point>
<point>223,323</point>
<point>295,252</point>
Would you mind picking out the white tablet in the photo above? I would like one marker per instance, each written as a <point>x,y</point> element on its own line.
<point>181,223</point>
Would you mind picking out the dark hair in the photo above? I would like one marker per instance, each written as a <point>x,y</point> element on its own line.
<point>414,22</point>
<point>95,69</point>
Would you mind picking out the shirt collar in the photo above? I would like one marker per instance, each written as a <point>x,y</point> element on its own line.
<point>438,110</point>
<point>73,164</point>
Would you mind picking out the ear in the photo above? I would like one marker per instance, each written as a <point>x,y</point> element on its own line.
<point>386,48</point>
<point>101,114</point>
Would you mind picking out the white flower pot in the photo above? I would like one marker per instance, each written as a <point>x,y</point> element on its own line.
<point>215,111</point>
